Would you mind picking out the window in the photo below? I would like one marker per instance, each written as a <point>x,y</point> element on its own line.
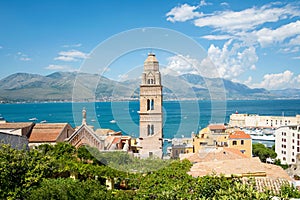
<point>148,104</point>
<point>150,129</point>
<point>152,104</point>
<point>242,142</point>
<point>150,154</point>
<point>150,81</point>
<point>234,143</point>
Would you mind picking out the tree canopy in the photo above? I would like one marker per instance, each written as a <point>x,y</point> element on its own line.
<point>44,173</point>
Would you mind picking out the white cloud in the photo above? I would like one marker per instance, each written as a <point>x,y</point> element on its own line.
<point>204,3</point>
<point>225,4</point>
<point>65,58</point>
<point>182,13</point>
<point>248,19</point>
<point>248,81</point>
<point>180,64</point>
<point>283,80</point>
<point>217,37</point>
<point>295,40</point>
<point>60,68</point>
<point>72,55</point>
<point>268,36</point>
<point>232,59</point>
<point>23,57</point>
<point>71,45</point>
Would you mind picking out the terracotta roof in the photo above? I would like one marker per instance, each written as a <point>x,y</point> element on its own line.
<point>46,132</point>
<point>105,132</point>
<point>15,125</point>
<point>217,127</point>
<point>214,154</point>
<point>243,167</point>
<point>239,135</point>
<point>265,183</point>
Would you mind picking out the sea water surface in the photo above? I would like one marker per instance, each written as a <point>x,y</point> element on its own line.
<point>181,118</point>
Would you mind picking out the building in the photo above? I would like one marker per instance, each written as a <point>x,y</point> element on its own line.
<point>151,116</point>
<point>101,139</point>
<point>16,128</point>
<point>287,143</point>
<point>241,141</point>
<point>49,133</point>
<point>216,135</point>
<point>181,146</point>
<point>253,120</point>
<point>15,141</point>
<point>228,162</point>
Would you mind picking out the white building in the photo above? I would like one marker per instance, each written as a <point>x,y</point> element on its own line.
<point>287,143</point>
<point>253,120</point>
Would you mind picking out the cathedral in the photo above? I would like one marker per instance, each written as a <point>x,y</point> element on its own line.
<point>151,115</point>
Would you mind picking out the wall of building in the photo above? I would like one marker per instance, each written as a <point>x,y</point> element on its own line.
<point>287,143</point>
<point>243,145</point>
<point>245,120</point>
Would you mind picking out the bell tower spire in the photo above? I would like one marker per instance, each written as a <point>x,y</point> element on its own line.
<point>151,117</point>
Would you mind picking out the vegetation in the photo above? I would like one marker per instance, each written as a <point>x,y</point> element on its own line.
<point>45,173</point>
<point>263,152</point>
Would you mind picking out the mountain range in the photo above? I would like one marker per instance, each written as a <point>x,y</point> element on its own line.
<point>68,86</point>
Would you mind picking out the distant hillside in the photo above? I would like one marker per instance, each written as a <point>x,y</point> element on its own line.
<point>59,86</point>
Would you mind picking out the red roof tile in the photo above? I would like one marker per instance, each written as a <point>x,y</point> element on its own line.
<point>46,132</point>
<point>15,125</point>
<point>239,135</point>
<point>217,127</point>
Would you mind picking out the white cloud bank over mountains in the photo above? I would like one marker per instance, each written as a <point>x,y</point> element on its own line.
<point>273,24</point>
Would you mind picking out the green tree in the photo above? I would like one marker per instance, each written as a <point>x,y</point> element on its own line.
<point>262,152</point>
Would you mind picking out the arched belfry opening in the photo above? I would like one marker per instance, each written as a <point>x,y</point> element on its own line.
<point>151,116</point>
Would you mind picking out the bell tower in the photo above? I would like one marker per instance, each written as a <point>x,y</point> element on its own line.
<point>151,116</point>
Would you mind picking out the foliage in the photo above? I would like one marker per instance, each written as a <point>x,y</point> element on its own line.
<point>288,192</point>
<point>66,188</point>
<point>45,173</point>
<point>263,152</point>
<point>20,170</point>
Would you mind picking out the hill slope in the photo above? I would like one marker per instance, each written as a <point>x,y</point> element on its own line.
<point>68,86</point>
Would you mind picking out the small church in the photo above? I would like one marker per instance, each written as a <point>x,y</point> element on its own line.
<point>151,115</point>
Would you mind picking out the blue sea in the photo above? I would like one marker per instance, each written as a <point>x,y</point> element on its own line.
<point>181,118</point>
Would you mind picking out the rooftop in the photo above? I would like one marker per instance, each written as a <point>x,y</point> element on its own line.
<point>15,125</point>
<point>46,132</point>
<point>246,167</point>
<point>217,127</point>
<point>214,153</point>
<point>239,135</point>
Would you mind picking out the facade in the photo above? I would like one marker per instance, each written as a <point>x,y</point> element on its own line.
<point>101,139</point>
<point>241,141</point>
<point>218,136</point>
<point>151,116</point>
<point>181,146</point>
<point>15,141</point>
<point>287,143</point>
<point>252,121</point>
<point>212,135</point>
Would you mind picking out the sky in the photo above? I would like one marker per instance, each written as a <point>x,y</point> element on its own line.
<point>254,42</point>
